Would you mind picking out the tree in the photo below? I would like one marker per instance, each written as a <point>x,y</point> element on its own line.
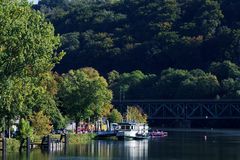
<point>126,82</point>
<point>115,116</point>
<point>84,94</point>
<point>199,87</point>
<point>25,129</point>
<point>113,76</point>
<point>135,114</point>
<point>169,82</point>
<point>200,17</point>
<point>41,124</point>
<point>27,41</point>
<point>183,84</point>
<point>225,70</point>
<point>27,44</point>
<point>231,88</point>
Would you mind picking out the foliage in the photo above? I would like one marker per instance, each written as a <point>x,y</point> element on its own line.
<point>84,93</point>
<point>150,36</point>
<point>12,145</point>
<point>27,55</point>
<point>231,88</point>
<point>137,37</point>
<point>115,116</point>
<point>225,70</point>
<point>25,130</point>
<point>124,84</point>
<point>195,84</point>
<point>27,41</point>
<point>41,124</point>
<point>135,114</point>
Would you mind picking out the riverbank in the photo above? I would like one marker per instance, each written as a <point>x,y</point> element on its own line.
<point>81,138</point>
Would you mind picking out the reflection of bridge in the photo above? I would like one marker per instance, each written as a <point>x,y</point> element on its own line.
<point>185,109</point>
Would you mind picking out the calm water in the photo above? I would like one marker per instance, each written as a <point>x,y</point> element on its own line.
<point>177,146</point>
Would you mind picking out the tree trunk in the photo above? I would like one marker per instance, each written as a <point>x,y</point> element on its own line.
<point>21,145</point>
<point>76,129</point>
<point>9,130</point>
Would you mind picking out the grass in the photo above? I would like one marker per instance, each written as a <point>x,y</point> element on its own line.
<point>81,138</point>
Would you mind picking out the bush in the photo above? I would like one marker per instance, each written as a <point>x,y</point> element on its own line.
<point>80,138</point>
<point>13,145</point>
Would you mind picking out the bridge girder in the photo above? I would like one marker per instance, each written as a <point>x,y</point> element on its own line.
<point>185,109</point>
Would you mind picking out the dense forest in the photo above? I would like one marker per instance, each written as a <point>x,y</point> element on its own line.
<point>152,49</point>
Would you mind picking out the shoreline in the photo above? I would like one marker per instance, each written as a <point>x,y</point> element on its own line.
<point>208,130</point>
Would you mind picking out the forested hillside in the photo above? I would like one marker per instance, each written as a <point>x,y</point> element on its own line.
<point>200,39</point>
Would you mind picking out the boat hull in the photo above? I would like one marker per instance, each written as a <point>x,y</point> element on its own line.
<point>124,135</point>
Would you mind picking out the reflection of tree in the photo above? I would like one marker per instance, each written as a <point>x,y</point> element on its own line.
<point>112,149</point>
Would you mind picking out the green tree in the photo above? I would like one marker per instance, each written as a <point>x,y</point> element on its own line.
<point>25,129</point>
<point>115,116</point>
<point>27,45</point>
<point>126,82</point>
<point>84,94</point>
<point>27,41</point>
<point>175,83</point>
<point>225,70</point>
<point>199,87</point>
<point>231,88</point>
<point>169,82</point>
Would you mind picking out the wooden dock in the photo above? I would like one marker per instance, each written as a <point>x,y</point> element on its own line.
<point>48,143</point>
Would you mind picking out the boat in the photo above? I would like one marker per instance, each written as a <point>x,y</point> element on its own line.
<point>141,136</point>
<point>158,134</point>
<point>132,130</point>
<point>110,132</point>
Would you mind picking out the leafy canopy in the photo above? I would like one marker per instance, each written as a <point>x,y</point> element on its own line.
<point>84,93</point>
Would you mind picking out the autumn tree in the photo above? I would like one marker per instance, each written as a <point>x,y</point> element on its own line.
<point>136,114</point>
<point>41,124</point>
<point>115,116</point>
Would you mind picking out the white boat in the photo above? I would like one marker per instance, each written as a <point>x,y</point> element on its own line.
<point>112,131</point>
<point>132,130</point>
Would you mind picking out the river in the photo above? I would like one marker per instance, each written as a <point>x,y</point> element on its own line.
<point>179,145</point>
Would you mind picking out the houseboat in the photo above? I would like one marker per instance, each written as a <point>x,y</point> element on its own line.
<point>110,132</point>
<point>132,130</point>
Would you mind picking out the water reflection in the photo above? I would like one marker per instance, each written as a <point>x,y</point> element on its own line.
<point>177,146</point>
<point>136,149</point>
<point>111,149</point>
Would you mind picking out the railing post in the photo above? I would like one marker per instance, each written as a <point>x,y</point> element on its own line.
<point>4,148</point>
<point>65,143</point>
<point>28,146</point>
<point>49,143</point>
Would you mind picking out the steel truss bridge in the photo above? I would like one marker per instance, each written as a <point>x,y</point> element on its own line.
<point>184,109</point>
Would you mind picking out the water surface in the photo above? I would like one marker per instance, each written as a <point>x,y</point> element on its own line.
<point>198,145</point>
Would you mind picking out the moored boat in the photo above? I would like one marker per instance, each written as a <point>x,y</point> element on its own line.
<point>110,132</point>
<point>132,130</point>
<point>158,134</point>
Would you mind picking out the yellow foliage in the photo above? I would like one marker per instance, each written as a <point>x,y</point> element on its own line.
<point>106,109</point>
<point>41,124</point>
<point>135,114</point>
